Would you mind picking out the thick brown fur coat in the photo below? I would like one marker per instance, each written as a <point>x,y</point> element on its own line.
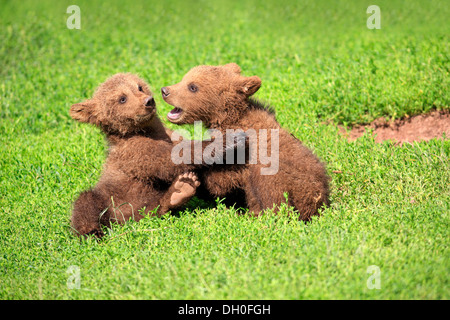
<point>139,171</point>
<point>219,96</point>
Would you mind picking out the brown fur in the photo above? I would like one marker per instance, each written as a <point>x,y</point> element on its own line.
<point>220,97</point>
<point>138,171</point>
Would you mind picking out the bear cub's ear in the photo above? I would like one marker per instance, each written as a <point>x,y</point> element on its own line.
<point>249,85</point>
<point>83,111</point>
<point>233,67</point>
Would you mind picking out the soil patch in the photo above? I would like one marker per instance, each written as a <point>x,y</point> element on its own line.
<point>416,128</point>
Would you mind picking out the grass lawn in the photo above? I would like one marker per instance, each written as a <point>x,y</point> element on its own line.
<point>320,65</point>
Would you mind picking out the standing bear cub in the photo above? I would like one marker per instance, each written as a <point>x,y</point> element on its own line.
<point>219,96</point>
<point>138,171</point>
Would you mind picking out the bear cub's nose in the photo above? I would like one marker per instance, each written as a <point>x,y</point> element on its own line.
<point>165,92</point>
<point>150,102</point>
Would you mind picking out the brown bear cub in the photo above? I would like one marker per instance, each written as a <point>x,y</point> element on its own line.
<point>219,96</point>
<point>138,171</point>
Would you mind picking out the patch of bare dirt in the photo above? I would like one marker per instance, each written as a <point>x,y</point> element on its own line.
<point>416,128</point>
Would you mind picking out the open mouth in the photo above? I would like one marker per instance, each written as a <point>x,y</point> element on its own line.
<point>175,114</point>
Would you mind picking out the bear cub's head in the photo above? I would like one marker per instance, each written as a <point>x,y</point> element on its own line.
<point>123,104</point>
<point>210,94</point>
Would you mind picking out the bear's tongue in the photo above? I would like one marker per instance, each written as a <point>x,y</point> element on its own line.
<point>174,113</point>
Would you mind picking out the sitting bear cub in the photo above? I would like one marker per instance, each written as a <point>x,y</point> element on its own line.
<point>139,171</point>
<point>219,96</point>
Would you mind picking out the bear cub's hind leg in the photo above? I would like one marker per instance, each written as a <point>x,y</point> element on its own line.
<point>185,187</point>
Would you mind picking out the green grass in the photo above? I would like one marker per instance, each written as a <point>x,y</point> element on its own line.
<point>318,62</point>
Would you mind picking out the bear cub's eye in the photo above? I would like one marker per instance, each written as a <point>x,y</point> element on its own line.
<point>192,87</point>
<point>123,99</point>
<point>140,89</point>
